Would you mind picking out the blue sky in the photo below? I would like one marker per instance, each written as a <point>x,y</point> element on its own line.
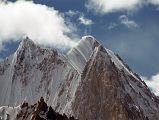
<point>132,33</point>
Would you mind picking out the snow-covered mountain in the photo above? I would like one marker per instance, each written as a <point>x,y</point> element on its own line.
<point>90,82</point>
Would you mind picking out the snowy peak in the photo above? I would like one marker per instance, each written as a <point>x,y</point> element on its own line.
<point>113,91</point>
<point>86,46</point>
<point>25,43</point>
<point>80,54</point>
<point>29,51</point>
<point>89,41</point>
<point>27,48</point>
<point>90,82</point>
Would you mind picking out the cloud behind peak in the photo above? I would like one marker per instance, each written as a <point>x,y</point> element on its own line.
<point>43,24</point>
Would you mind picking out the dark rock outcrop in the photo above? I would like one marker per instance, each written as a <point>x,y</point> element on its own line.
<point>40,111</point>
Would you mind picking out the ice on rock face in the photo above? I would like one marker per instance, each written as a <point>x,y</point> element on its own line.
<point>80,54</point>
<point>33,72</point>
<point>84,83</point>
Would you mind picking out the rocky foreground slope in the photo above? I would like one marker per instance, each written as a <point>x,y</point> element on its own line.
<point>90,82</point>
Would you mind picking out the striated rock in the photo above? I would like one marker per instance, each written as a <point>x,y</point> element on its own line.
<point>90,82</point>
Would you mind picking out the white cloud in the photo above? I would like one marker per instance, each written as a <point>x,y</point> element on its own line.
<point>72,13</point>
<point>127,22</point>
<point>43,24</point>
<point>154,2</point>
<point>1,46</point>
<point>112,26</point>
<point>123,20</point>
<point>81,17</point>
<point>85,21</point>
<point>108,6</point>
<point>153,83</point>
<point>3,1</point>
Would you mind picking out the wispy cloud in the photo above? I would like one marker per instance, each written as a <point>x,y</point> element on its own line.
<point>85,21</point>
<point>43,24</point>
<point>153,83</point>
<point>108,6</point>
<point>72,13</point>
<point>112,26</point>
<point>3,1</point>
<point>123,20</point>
<point>1,46</point>
<point>154,2</point>
<point>80,16</point>
<point>127,22</point>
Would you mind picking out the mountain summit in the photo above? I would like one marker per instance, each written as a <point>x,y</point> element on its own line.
<point>90,82</point>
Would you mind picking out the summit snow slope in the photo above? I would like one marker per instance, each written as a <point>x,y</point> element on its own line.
<point>32,72</point>
<point>90,82</point>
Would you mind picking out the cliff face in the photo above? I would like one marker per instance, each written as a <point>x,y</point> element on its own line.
<point>112,94</point>
<point>33,72</point>
<point>90,82</point>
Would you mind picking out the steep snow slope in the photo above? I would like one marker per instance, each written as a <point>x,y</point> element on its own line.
<point>79,55</point>
<point>33,72</point>
<point>90,82</point>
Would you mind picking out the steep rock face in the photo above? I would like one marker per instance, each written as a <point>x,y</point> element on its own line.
<point>112,94</point>
<point>33,72</point>
<point>89,83</point>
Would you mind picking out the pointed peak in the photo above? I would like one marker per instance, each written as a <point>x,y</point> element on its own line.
<point>92,43</point>
<point>25,43</point>
<point>89,39</point>
<point>80,54</point>
<point>87,43</point>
